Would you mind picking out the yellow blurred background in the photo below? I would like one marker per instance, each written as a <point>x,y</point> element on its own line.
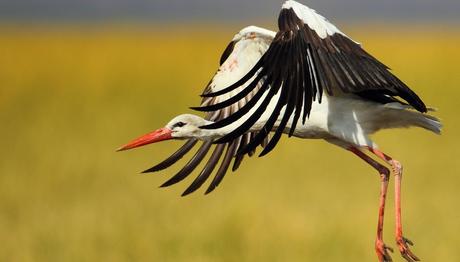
<point>70,95</point>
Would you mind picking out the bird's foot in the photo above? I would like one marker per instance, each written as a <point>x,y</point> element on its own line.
<point>403,245</point>
<point>382,251</point>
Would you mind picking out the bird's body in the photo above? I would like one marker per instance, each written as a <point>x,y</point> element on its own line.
<point>308,80</point>
<point>347,119</point>
<point>352,120</point>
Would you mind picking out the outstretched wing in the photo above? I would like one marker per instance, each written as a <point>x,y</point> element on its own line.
<point>308,56</point>
<point>238,58</point>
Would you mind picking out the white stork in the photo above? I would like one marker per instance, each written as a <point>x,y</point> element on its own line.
<point>308,80</point>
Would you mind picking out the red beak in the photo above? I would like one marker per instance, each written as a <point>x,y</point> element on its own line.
<point>153,137</point>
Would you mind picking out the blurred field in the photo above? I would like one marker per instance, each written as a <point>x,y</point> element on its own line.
<point>70,96</point>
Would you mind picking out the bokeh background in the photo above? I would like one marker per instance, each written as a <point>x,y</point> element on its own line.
<point>80,78</point>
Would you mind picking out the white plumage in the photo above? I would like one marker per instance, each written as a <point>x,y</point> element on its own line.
<point>314,20</point>
<point>308,80</point>
<point>346,117</point>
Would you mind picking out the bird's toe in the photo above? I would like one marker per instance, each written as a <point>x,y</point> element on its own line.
<point>403,245</point>
<point>383,251</point>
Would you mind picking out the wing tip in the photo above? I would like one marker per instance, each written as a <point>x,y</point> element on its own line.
<point>209,190</point>
<point>289,4</point>
<point>151,170</point>
<point>207,95</point>
<point>187,192</point>
<point>199,109</point>
<point>164,185</point>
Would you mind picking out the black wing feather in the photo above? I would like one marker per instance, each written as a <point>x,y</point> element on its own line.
<point>207,170</point>
<point>174,157</point>
<point>229,154</point>
<point>300,65</point>
<point>227,52</point>
<point>190,166</point>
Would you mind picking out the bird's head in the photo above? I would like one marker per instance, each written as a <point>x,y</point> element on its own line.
<point>181,127</point>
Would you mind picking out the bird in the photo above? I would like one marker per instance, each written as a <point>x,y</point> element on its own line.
<point>307,80</point>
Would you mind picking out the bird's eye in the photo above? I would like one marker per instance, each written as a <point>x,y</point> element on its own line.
<point>179,124</point>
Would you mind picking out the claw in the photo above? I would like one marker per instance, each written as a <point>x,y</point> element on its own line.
<point>390,248</point>
<point>406,253</point>
<point>408,241</point>
<point>382,251</point>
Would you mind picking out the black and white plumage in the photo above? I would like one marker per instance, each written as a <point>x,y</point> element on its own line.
<point>310,56</point>
<point>245,49</point>
<point>308,80</point>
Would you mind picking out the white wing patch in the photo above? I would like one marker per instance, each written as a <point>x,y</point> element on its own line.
<point>315,21</point>
<point>247,52</point>
<point>259,31</point>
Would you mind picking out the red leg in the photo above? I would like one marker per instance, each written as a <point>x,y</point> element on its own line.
<point>400,239</point>
<point>380,247</point>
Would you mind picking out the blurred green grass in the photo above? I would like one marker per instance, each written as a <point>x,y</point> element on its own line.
<point>70,97</point>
